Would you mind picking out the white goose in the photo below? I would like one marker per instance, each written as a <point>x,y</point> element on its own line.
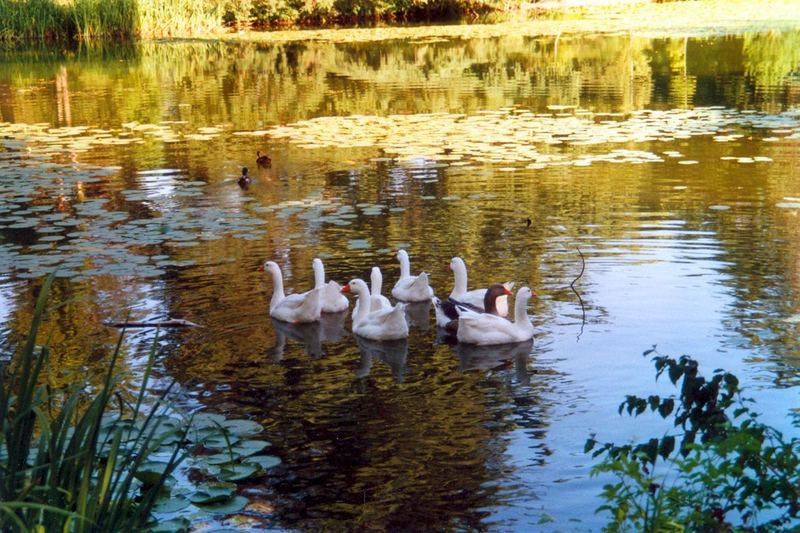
<point>333,301</point>
<point>381,325</point>
<point>376,299</point>
<point>411,288</point>
<point>475,296</point>
<point>486,329</point>
<point>295,308</point>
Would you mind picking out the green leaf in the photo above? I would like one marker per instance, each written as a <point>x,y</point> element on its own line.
<point>222,458</point>
<point>213,493</point>
<point>263,461</point>
<point>666,407</point>
<point>233,505</point>
<point>666,446</point>
<point>250,447</point>
<point>151,472</point>
<point>176,525</point>
<point>220,441</point>
<point>243,428</point>
<point>234,472</point>
<point>170,504</point>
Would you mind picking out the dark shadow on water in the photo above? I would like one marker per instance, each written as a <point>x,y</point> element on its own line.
<point>306,334</point>
<point>393,353</point>
<point>418,315</point>
<point>473,357</point>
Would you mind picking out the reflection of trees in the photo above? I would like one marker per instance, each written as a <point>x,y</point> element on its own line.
<point>252,86</point>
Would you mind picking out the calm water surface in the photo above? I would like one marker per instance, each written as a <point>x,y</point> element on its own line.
<point>671,163</point>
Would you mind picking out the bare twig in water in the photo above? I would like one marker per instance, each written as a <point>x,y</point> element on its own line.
<point>171,323</point>
<point>572,286</point>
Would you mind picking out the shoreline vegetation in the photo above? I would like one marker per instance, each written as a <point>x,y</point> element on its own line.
<point>365,20</point>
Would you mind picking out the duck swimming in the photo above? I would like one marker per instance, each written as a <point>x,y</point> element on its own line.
<point>244,179</point>
<point>447,312</point>
<point>486,329</point>
<point>263,160</point>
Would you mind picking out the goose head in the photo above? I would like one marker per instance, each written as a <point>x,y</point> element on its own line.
<point>492,294</point>
<point>357,286</point>
<point>457,264</point>
<point>270,266</point>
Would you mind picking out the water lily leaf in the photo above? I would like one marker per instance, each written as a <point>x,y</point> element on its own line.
<point>171,504</point>
<point>234,505</point>
<point>220,441</point>
<point>213,493</point>
<point>243,427</point>
<point>250,447</point>
<point>234,472</point>
<point>150,472</point>
<point>222,458</point>
<point>263,461</point>
<point>176,525</point>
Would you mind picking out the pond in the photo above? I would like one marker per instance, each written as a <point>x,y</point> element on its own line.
<point>669,163</point>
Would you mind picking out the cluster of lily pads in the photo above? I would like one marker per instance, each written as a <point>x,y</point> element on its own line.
<point>516,136</point>
<point>52,223</point>
<point>221,452</point>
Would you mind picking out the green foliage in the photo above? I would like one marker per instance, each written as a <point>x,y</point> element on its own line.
<point>90,19</point>
<point>72,463</point>
<point>728,469</point>
<point>66,467</point>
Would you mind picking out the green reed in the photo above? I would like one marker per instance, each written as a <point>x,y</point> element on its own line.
<point>91,19</point>
<point>68,461</point>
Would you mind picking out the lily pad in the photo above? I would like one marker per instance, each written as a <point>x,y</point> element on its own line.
<point>250,447</point>
<point>171,504</point>
<point>151,472</point>
<point>213,493</point>
<point>176,525</point>
<point>243,427</point>
<point>234,505</point>
<point>263,461</point>
<point>236,472</point>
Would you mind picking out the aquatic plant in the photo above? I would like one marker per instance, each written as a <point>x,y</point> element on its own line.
<point>722,468</point>
<point>73,461</point>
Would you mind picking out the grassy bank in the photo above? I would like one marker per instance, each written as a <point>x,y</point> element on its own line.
<point>27,20</point>
<point>106,19</point>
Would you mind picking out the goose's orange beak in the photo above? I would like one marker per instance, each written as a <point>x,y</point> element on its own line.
<point>261,268</point>
<point>346,288</point>
<point>508,292</point>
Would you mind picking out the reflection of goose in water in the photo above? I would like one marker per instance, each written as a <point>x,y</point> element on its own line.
<point>393,353</point>
<point>307,334</point>
<point>474,357</point>
<point>418,315</point>
<point>332,327</point>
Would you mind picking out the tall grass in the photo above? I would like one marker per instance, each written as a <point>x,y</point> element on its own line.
<point>90,19</point>
<point>68,463</point>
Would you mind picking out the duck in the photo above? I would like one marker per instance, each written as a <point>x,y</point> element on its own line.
<point>376,299</point>
<point>333,301</point>
<point>486,329</point>
<point>295,308</point>
<point>381,325</point>
<point>244,179</point>
<point>263,160</point>
<point>447,312</point>
<point>411,288</point>
<point>475,296</point>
